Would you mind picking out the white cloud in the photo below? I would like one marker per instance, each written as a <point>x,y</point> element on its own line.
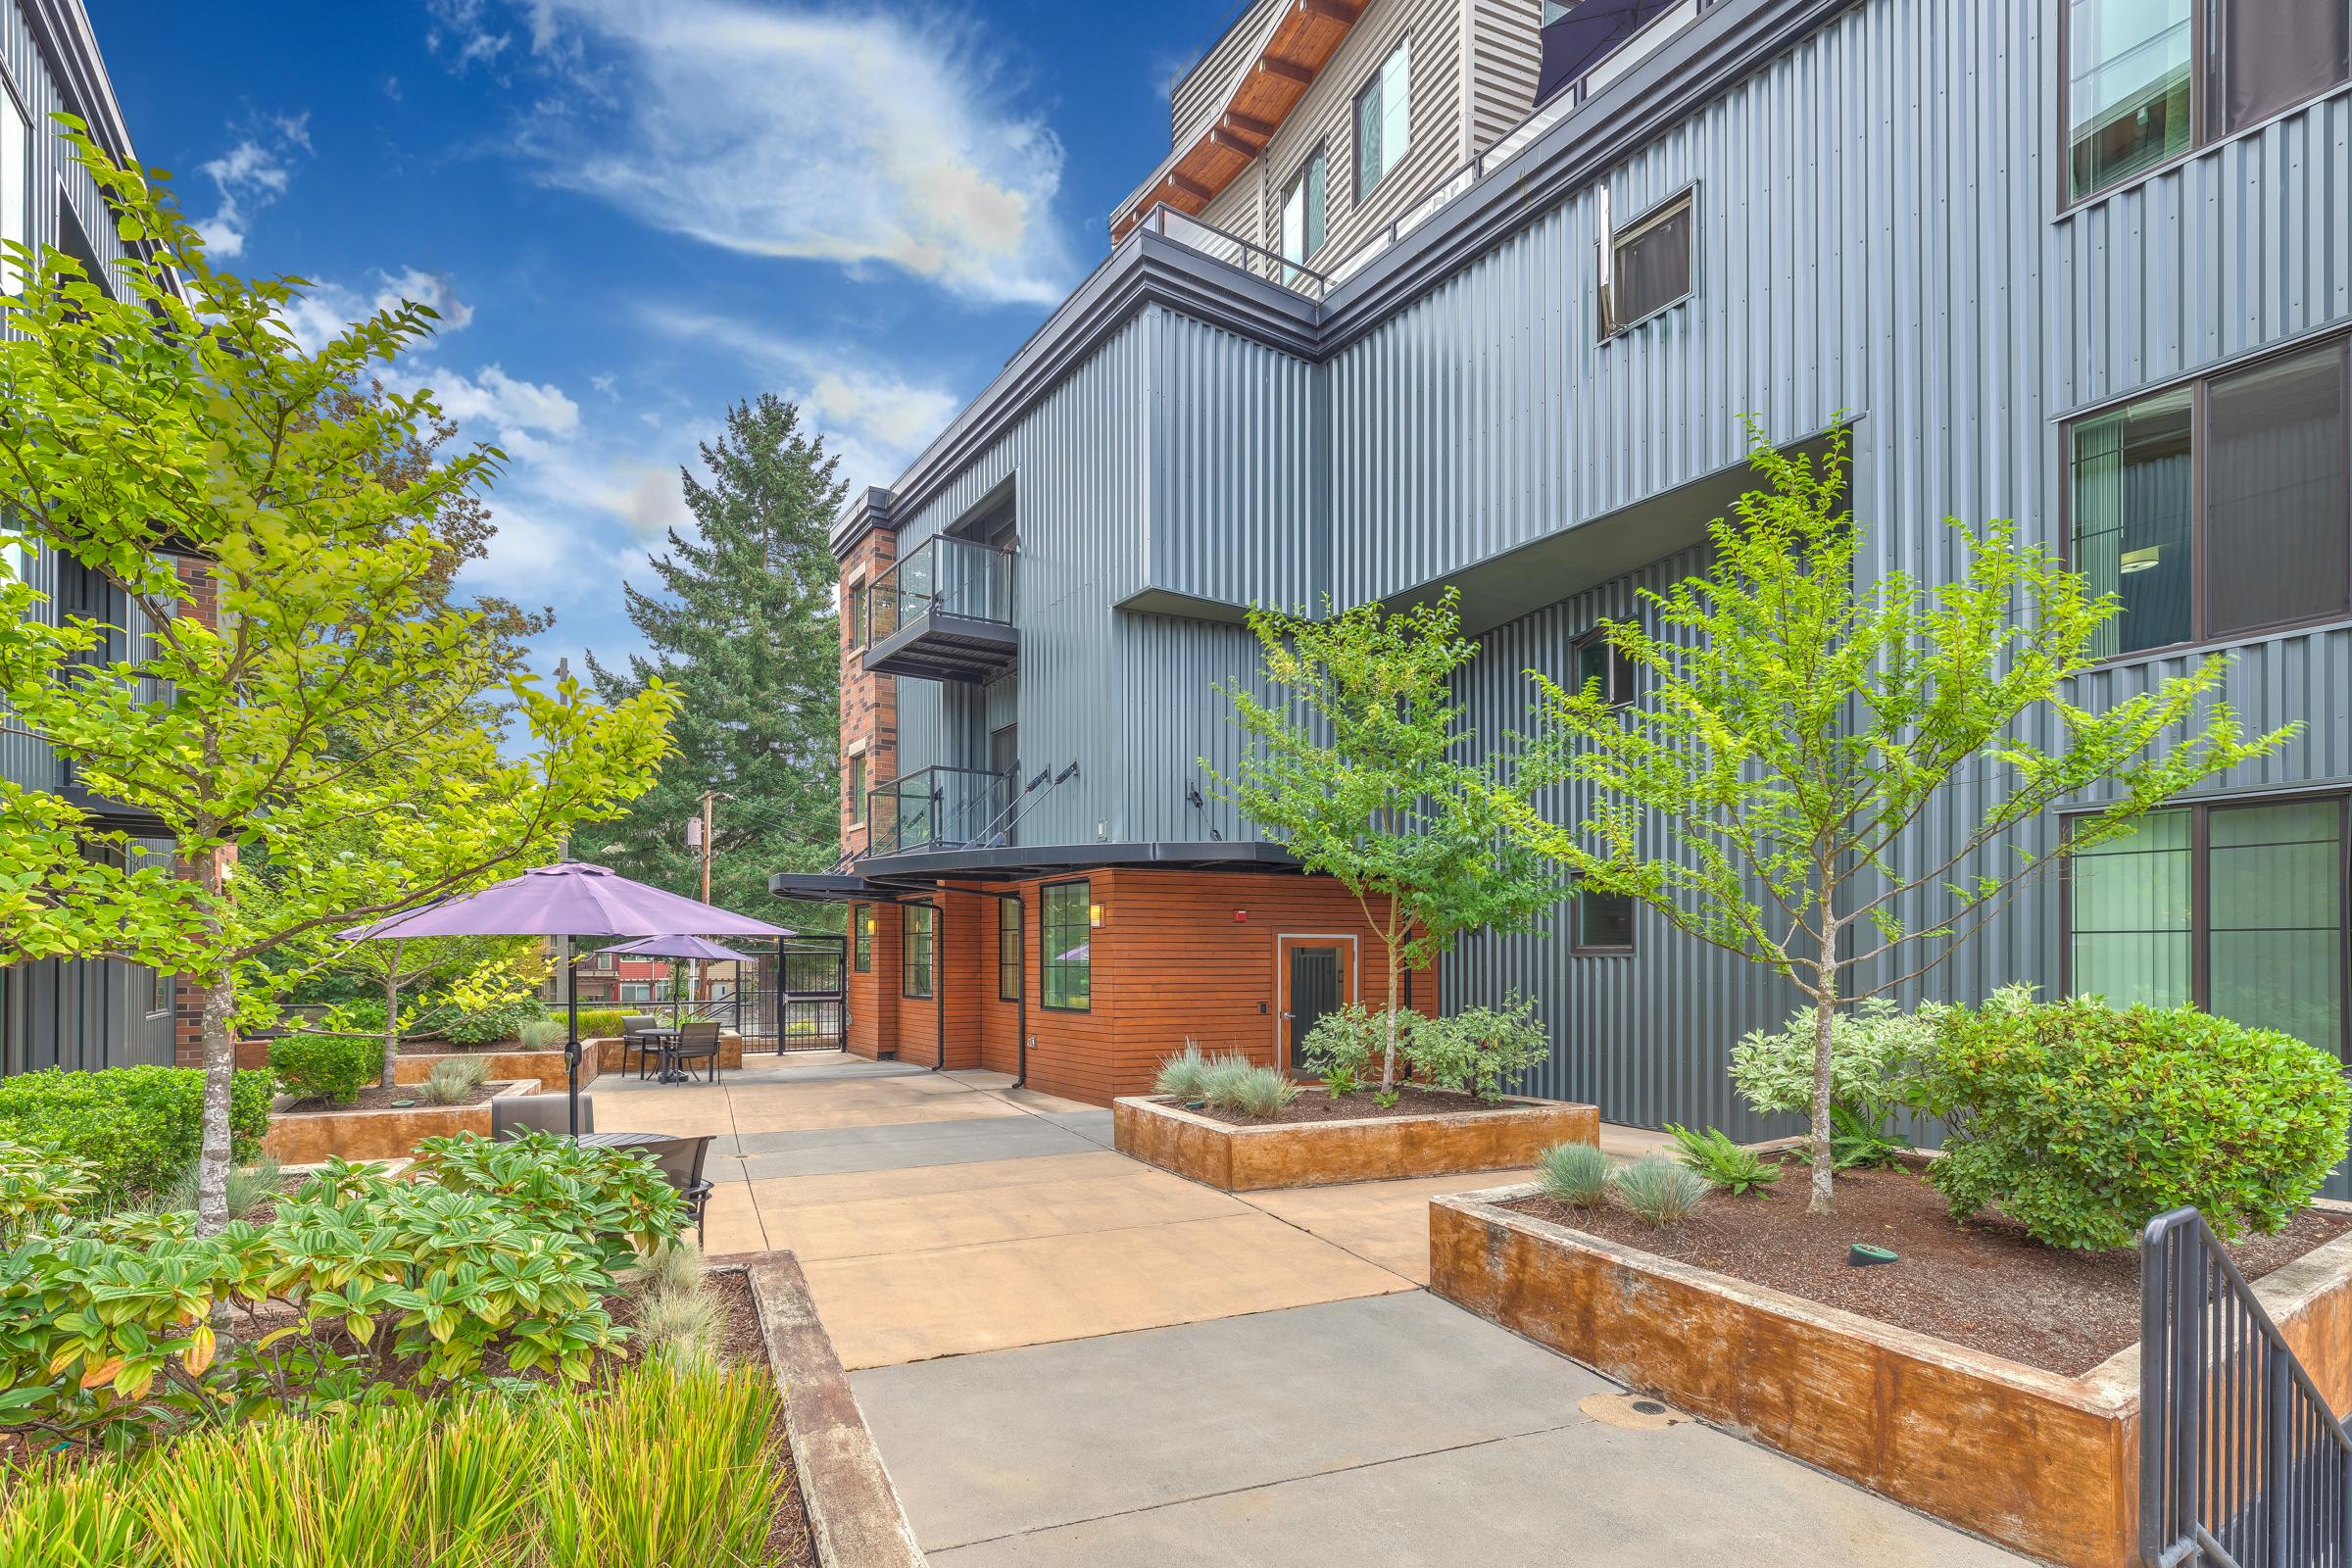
<point>249,176</point>
<point>326,308</point>
<point>521,413</point>
<point>877,140</point>
<point>461,34</point>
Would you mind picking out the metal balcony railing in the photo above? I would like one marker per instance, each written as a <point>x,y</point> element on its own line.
<point>944,612</point>
<point>936,807</point>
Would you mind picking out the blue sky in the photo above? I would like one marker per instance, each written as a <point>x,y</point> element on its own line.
<point>632,213</point>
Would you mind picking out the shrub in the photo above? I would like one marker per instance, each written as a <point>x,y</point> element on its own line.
<point>615,1200</point>
<point>330,1067</point>
<point>38,1188</point>
<point>2082,1123</point>
<point>667,1466</point>
<point>1656,1191</point>
<point>1575,1174</point>
<point>1221,1081</point>
<point>1348,1041</point>
<point>1479,1049</point>
<point>1875,1050</point>
<point>135,1128</point>
<point>1721,1161</point>
<point>1264,1090</point>
<point>1180,1075</point>
<point>249,1187</point>
<point>545,1034</point>
<point>486,1026</point>
<point>453,1080</point>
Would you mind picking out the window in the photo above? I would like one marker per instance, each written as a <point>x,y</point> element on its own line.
<point>2144,84</point>
<point>1302,210</point>
<point>1596,660</point>
<point>1647,267</point>
<point>631,992</point>
<point>914,956</point>
<point>1068,966</point>
<point>1604,921</point>
<point>1008,947</point>
<point>862,938</point>
<point>857,613</point>
<point>2221,508</point>
<point>856,788</point>
<point>160,997</point>
<point>16,183</point>
<point>1384,122</point>
<point>2238,908</point>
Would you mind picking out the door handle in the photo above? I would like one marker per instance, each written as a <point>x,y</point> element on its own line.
<point>1286,1015</point>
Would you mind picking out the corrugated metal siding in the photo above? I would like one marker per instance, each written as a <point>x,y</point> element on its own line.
<point>1078,463</point>
<point>1172,719</point>
<point>1238,505</point>
<point>1505,56</point>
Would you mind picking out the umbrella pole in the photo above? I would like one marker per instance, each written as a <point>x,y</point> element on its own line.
<point>571,1046</point>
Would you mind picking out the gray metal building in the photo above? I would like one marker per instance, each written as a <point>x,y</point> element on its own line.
<point>87,1014</point>
<point>2082,264</point>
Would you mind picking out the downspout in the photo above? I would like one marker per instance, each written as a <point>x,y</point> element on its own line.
<point>1020,1075</point>
<point>939,981</point>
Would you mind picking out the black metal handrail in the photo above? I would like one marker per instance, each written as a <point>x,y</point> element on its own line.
<point>942,575</point>
<point>935,808</point>
<point>2243,1464</point>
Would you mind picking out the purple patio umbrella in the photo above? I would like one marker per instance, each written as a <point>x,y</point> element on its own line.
<point>571,899</point>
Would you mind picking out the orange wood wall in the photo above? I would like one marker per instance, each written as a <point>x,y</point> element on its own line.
<point>1171,963</point>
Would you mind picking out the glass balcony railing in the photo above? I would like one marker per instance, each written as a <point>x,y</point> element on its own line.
<point>944,612</point>
<point>938,808</point>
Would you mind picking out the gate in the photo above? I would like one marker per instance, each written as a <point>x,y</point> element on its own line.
<point>2241,1463</point>
<point>812,1007</point>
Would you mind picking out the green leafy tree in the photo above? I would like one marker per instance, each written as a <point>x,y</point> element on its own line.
<point>1355,764</point>
<point>1799,725</point>
<point>340,686</point>
<point>745,630</point>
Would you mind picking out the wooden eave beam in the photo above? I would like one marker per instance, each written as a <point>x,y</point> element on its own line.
<point>1239,143</point>
<point>1288,70</point>
<point>1191,187</point>
<point>1335,10</point>
<point>1247,124</point>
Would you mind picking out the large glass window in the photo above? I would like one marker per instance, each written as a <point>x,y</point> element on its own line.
<point>1069,930</point>
<point>1008,947</point>
<point>915,952</point>
<point>2219,509</point>
<point>2258,938</point>
<point>1384,121</point>
<point>2135,71</point>
<point>856,788</point>
<point>16,184</point>
<point>862,938</point>
<point>1302,210</point>
<point>856,614</point>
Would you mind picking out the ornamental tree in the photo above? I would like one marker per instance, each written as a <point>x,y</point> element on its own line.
<point>180,433</point>
<point>1799,725</point>
<point>1355,764</point>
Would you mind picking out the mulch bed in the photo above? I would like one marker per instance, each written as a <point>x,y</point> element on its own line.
<point>1986,1284</point>
<point>1313,1104</point>
<point>375,1098</point>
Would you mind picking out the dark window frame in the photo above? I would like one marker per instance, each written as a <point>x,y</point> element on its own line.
<point>1282,201</point>
<point>163,995</point>
<point>857,613</point>
<point>2206,21</point>
<point>1010,969</point>
<point>1617,686</point>
<point>1578,947</point>
<point>1606,315</point>
<point>862,938</point>
<point>1046,964</point>
<point>2201,895</point>
<point>2200,389</point>
<point>860,772</point>
<point>1355,118</point>
<point>907,951</point>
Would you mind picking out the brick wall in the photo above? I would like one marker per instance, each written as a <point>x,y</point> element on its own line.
<point>869,703</point>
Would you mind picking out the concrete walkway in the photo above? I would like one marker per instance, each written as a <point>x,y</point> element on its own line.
<point>1069,1357</point>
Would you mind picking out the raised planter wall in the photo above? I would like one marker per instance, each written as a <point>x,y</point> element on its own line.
<point>2044,1464</point>
<point>1240,1159</point>
<point>542,1067</point>
<point>382,1134</point>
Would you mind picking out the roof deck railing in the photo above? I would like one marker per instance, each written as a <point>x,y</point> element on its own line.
<point>944,576</point>
<point>936,808</point>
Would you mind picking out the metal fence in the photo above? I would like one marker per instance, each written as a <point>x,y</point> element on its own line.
<point>2241,1462</point>
<point>810,1002</point>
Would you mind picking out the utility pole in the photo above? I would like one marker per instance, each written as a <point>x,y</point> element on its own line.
<point>708,796</point>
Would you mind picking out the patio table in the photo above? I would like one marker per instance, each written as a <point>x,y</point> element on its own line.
<point>623,1140</point>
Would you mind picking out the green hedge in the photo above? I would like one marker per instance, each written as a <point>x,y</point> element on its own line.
<point>2083,1123</point>
<point>601,1023</point>
<point>137,1128</point>
<point>331,1067</point>
<point>490,1025</point>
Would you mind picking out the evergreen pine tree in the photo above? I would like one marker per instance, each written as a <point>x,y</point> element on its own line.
<point>745,632</point>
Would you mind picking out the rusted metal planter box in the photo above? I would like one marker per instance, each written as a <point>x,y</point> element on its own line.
<point>1325,1153</point>
<point>2043,1464</point>
<point>386,1133</point>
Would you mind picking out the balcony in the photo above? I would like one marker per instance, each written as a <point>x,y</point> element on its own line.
<point>944,612</point>
<point>939,809</point>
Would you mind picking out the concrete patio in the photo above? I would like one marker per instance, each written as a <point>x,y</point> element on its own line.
<point>1066,1356</point>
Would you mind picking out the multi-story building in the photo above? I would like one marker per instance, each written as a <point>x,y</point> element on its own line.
<point>85,1014</point>
<point>1428,296</point>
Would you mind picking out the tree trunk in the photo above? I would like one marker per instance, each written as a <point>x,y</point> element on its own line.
<point>1388,1066</point>
<point>1825,1018</point>
<point>391,1017</point>
<point>219,1072</point>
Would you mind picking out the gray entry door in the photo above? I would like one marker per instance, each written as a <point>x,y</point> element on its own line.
<point>1315,982</point>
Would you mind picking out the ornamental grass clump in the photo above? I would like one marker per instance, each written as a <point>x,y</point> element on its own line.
<point>1180,1075</point>
<point>678,1311</point>
<point>2083,1122</point>
<point>454,1080</point>
<point>1575,1174</point>
<point>1265,1091</point>
<point>249,1187</point>
<point>1221,1081</point>
<point>1656,1191</point>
